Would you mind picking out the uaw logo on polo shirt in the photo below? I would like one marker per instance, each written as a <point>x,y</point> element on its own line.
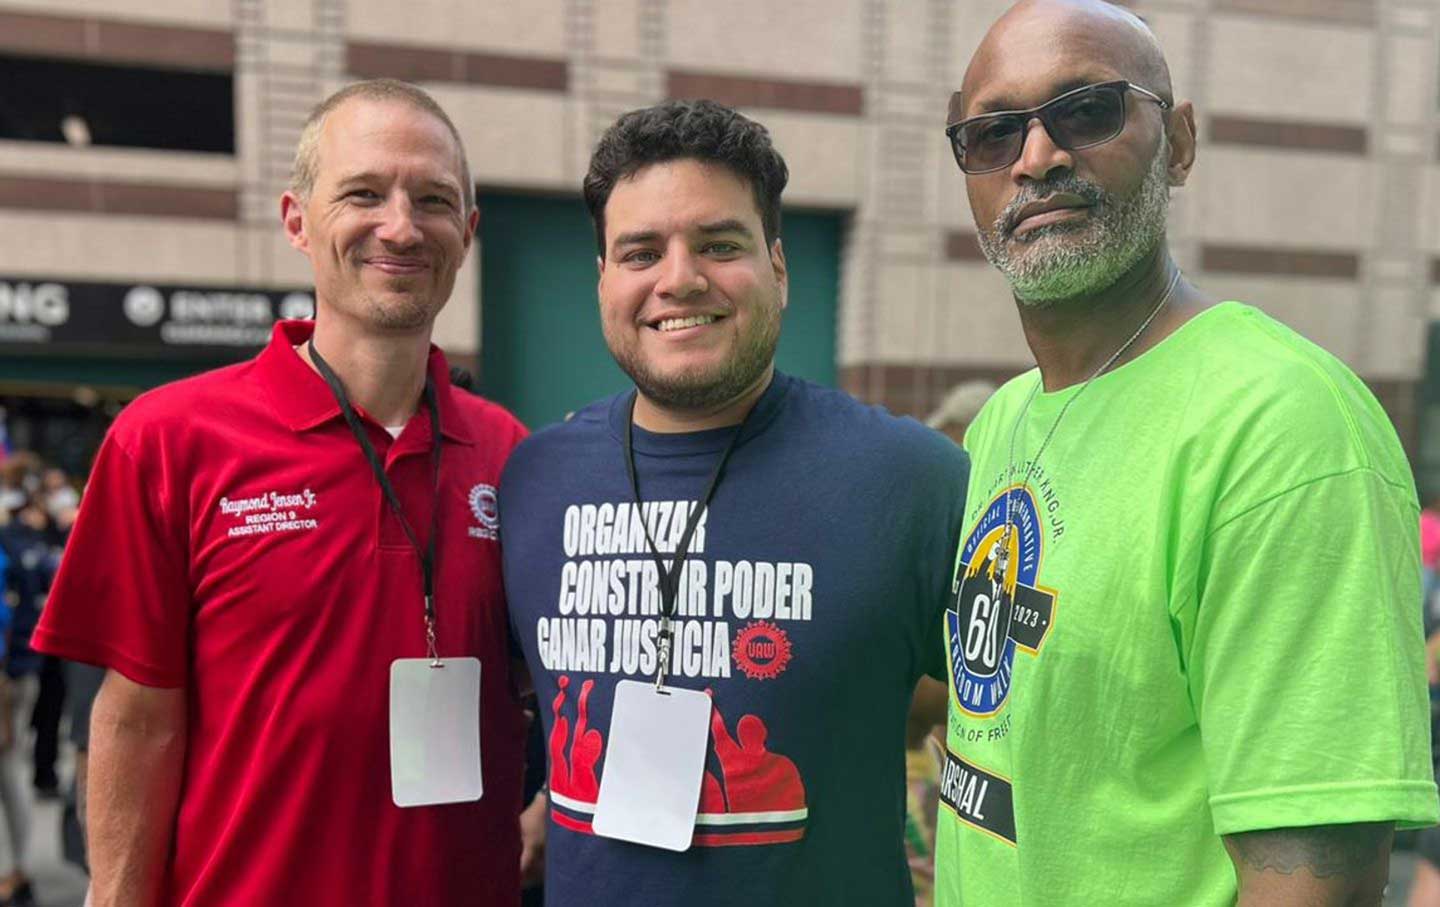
<point>485,507</point>
<point>270,512</point>
<point>993,615</point>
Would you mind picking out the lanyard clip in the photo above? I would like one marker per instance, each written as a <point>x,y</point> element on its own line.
<point>431,652</point>
<point>664,660</point>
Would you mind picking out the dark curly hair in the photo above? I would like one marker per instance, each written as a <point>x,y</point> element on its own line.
<point>702,130</point>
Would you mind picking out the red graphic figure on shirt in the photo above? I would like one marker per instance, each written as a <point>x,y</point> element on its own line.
<point>756,780</point>
<point>575,777</point>
<point>559,736</point>
<point>585,751</point>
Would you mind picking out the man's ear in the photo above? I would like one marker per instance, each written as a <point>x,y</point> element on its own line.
<point>292,216</point>
<point>782,273</point>
<point>1182,143</point>
<point>471,224</point>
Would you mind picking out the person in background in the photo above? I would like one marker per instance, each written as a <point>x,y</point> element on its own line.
<point>1425,884</point>
<point>959,408</point>
<point>60,497</point>
<point>45,721</point>
<point>924,741</point>
<point>31,568</point>
<point>82,682</point>
<point>1430,548</point>
<point>19,479</point>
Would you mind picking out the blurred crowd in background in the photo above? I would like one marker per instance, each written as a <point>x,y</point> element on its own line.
<point>38,504</point>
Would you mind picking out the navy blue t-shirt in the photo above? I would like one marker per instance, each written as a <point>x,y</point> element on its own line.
<point>809,605</point>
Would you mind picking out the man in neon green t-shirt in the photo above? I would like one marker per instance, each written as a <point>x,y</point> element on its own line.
<point>1185,653</point>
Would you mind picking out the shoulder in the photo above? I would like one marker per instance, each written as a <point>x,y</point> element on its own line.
<point>1270,413</point>
<point>1241,344</point>
<point>560,444</point>
<point>1261,385</point>
<point>162,414</point>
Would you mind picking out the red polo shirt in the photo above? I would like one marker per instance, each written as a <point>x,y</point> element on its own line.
<point>233,541</point>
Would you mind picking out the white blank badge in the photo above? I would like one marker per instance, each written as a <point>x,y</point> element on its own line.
<point>654,762</point>
<point>435,731</point>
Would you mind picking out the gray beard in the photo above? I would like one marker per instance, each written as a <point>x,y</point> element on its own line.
<point>1058,262</point>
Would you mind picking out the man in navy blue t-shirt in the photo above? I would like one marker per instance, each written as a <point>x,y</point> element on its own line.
<point>811,589</point>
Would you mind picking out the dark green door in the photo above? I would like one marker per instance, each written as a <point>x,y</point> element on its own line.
<point>812,253</point>
<point>542,354</point>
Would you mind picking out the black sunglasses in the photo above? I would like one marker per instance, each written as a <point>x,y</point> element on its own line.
<point>1090,115</point>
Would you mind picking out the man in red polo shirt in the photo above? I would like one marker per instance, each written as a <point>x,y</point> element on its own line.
<point>271,556</point>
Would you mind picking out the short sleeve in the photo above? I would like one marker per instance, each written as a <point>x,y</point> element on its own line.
<point>121,598</point>
<point>1307,663</point>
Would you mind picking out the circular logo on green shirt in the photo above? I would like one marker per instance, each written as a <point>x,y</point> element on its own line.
<point>998,606</point>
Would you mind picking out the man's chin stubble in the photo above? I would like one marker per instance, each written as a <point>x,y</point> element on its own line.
<point>694,390</point>
<point>700,390</point>
<point>1064,250</point>
<point>407,315</point>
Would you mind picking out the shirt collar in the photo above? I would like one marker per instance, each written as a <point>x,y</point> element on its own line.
<point>694,442</point>
<point>303,401</point>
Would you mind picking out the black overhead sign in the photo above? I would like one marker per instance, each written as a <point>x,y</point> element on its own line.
<point>67,317</point>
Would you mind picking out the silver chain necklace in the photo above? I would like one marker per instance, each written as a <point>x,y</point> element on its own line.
<point>1001,555</point>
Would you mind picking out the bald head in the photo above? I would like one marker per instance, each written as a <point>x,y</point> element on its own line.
<point>1078,41</point>
<point>1067,213</point>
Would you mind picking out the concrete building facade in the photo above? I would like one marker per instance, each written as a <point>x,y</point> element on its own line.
<point>1316,195</point>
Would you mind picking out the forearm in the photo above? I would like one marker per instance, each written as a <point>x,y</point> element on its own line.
<point>532,840</point>
<point>137,751</point>
<point>1325,866</point>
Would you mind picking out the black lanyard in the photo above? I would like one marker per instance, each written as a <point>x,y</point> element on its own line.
<point>427,552</point>
<point>670,579</point>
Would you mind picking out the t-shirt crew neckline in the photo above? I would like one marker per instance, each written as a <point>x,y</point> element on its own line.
<point>713,440</point>
<point>1147,360</point>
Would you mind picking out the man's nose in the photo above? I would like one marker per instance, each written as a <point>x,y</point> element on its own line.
<point>680,275</point>
<point>1040,156</point>
<point>397,224</point>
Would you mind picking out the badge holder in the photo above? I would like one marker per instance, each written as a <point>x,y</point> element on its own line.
<point>655,761</point>
<point>435,729</point>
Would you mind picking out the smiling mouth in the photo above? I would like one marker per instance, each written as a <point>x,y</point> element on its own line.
<point>398,266</point>
<point>680,324</point>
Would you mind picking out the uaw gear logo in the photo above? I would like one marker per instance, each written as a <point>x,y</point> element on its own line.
<point>485,507</point>
<point>998,606</point>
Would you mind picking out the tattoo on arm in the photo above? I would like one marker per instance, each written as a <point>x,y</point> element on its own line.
<point>1323,866</point>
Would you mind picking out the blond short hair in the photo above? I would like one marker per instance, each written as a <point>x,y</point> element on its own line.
<point>307,151</point>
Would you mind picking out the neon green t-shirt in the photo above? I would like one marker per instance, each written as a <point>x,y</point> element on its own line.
<point>1213,625</point>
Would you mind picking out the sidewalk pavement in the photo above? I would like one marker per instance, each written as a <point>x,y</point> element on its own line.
<point>56,883</point>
